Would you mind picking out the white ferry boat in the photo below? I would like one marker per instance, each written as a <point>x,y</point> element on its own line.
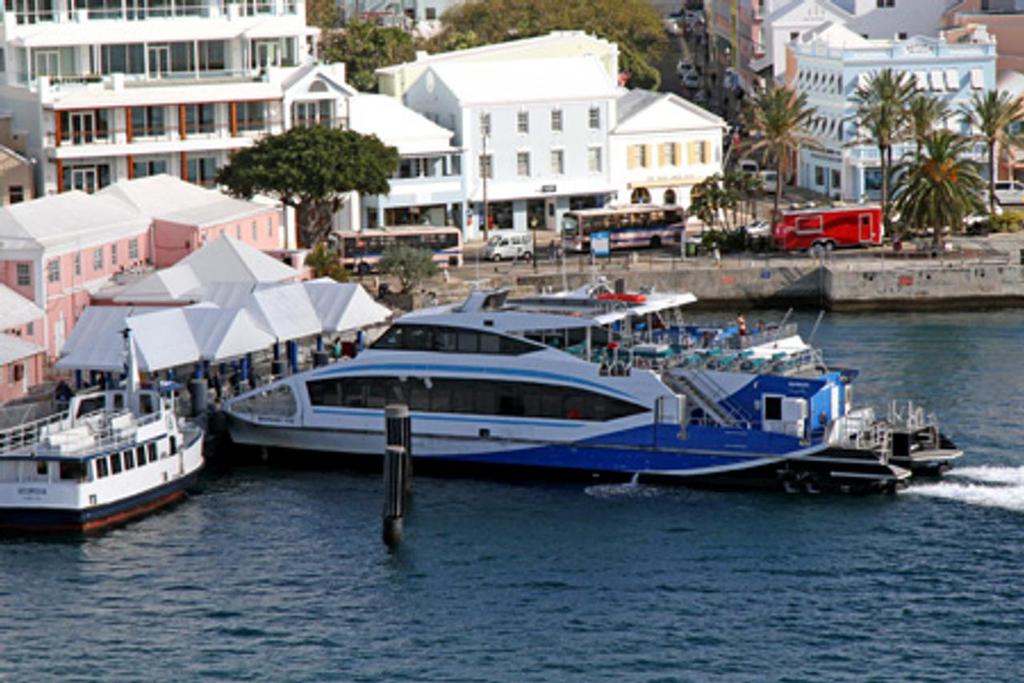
<point>112,456</point>
<point>575,384</point>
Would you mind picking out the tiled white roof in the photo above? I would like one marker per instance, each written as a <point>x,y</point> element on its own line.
<point>69,220</point>
<point>526,80</point>
<point>397,125</point>
<point>172,199</point>
<point>15,348</point>
<point>16,310</point>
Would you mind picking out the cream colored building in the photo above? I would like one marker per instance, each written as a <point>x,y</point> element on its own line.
<point>661,146</point>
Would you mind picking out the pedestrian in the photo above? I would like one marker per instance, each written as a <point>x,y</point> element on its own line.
<point>336,348</point>
<point>717,254</point>
<point>741,325</point>
<point>215,384</point>
<point>63,393</point>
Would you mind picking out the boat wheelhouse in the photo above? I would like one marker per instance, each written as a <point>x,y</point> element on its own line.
<point>554,383</point>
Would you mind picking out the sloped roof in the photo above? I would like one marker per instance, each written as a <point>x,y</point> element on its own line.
<point>222,334</point>
<point>342,307</point>
<point>227,259</point>
<point>526,80</point>
<point>397,125</point>
<point>285,311</point>
<point>15,348</point>
<point>68,220</point>
<point>834,34</point>
<point>636,108</point>
<point>163,339</point>
<point>96,341</point>
<point>16,310</point>
<point>169,285</point>
<point>172,199</point>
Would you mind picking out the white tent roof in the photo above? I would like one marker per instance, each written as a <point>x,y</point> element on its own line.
<point>222,334</point>
<point>227,259</point>
<point>96,341</point>
<point>229,294</point>
<point>285,310</point>
<point>15,348</point>
<point>163,339</point>
<point>169,285</point>
<point>16,310</point>
<point>342,307</point>
<point>224,264</point>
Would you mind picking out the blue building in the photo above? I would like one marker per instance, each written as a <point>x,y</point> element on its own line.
<point>830,62</point>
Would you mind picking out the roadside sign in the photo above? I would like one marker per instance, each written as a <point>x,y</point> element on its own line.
<point>600,243</point>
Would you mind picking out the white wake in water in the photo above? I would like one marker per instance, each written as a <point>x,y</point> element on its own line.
<point>986,486</point>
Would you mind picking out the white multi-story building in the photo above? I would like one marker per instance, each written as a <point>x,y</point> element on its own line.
<point>535,134</point>
<point>829,63</point>
<point>108,90</point>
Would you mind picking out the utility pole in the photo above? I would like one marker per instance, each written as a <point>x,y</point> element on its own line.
<point>485,172</point>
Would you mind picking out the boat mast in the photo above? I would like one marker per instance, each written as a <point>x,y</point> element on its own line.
<point>131,382</point>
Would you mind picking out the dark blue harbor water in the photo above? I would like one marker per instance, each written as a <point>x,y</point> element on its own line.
<point>278,575</point>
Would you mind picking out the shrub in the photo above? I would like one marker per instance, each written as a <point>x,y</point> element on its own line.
<point>411,266</point>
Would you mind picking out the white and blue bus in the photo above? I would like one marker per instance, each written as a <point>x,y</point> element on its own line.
<point>362,251</point>
<point>641,225</point>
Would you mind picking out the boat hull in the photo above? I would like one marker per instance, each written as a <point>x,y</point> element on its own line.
<point>812,469</point>
<point>99,517</point>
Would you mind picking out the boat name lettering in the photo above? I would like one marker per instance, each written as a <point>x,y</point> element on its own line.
<point>32,491</point>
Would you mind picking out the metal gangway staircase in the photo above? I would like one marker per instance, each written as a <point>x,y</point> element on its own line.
<point>699,389</point>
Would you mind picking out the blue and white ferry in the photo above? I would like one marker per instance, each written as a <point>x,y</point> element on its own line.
<point>576,384</point>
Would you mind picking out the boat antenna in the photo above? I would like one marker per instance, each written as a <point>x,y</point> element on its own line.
<point>814,330</point>
<point>785,318</point>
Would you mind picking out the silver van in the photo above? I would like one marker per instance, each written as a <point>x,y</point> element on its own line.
<point>508,244</point>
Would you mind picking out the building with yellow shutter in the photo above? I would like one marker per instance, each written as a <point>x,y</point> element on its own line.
<point>662,145</point>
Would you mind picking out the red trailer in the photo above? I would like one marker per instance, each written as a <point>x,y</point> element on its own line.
<point>851,226</point>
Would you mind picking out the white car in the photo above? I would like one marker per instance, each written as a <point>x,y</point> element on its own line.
<point>683,67</point>
<point>758,228</point>
<point>691,80</point>
<point>1009,192</point>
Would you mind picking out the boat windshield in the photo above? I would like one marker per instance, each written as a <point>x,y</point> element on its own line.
<point>273,402</point>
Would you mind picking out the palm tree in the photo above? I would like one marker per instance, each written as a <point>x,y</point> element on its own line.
<point>991,114</point>
<point>779,116</point>
<point>941,187</point>
<point>882,116</point>
<point>924,115</point>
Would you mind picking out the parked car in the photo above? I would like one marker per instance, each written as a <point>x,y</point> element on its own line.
<point>769,181</point>
<point>1009,192</point>
<point>508,244</point>
<point>758,228</point>
<point>690,80</point>
<point>749,166</point>
<point>684,67</point>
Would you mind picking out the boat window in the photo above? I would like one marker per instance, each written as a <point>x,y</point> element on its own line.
<point>129,460</point>
<point>42,468</point>
<point>140,456</point>
<point>773,407</point>
<point>174,445</point>
<point>146,404</point>
<point>118,401</point>
<point>115,463</point>
<point>450,339</point>
<point>471,396</point>
<point>101,468</point>
<point>90,405</point>
<point>151,451</point>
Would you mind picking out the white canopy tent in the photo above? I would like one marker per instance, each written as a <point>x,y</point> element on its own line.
<point>97,340</point>
<point>285,311</point>
<point>343,307</point>
<point>223,334</point>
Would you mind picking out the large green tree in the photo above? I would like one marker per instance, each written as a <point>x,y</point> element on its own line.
<point>991,114</point>
<point>778,117</point>
<point>365,47</point>
<point>634,24</point>
<point>940,188</point>
<point>883,119</point>
<point>312,170</point>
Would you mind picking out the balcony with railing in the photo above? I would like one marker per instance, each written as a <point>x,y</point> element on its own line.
<point>23,12</point>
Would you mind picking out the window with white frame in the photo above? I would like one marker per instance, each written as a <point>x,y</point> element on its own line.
<point>24,275</point>
<point>97,259</point>
<point>76,262</point>
<point>133,248</point>
<point>594,118</point>
<point>557,162</point>
<point>594,159</point>
<point>523,163</point>
<point>523,122</point>
<point>485,123</point>
<point>486,166</point>
<point>556,120</point>
<point>53,270</point>
<point>113,254</point>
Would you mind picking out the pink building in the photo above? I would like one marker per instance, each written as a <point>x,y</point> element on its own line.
<point>186,216</point>
<point>22,355</point>
<point>57,250</point>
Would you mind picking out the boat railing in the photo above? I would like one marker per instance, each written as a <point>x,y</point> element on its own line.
<point>875,435</point>
<point>906,415</point>
<point>28,434</point>
<point>270,404</point>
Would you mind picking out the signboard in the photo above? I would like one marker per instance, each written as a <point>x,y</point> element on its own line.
<point>549,188</point>
<point>600,243</point>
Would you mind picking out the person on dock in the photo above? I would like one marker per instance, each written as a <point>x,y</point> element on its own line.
<point>741,325</point>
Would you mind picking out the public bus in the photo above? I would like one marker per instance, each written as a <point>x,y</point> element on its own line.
<point>362,251</point>
<point>641,225</point>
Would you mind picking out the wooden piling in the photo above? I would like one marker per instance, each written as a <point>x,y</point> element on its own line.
<point>397,470</point>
